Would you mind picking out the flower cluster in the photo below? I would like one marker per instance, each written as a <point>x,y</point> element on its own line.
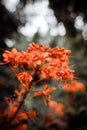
<point>7,116</point>
<point>50,62</point>
<point>74,86</point>
<point>35,64</point>
<point>45,93</point>
<point>56,114</point>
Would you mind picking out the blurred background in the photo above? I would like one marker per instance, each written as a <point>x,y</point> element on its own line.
<point>60,23</point>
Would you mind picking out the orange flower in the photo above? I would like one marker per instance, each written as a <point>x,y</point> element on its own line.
<point>37,57</point>
<point>52,63</point>
<point>67,74</point>
<point>57,72</point>
<point>9,56</point>
<point>74,86</point>
<point>56,114</point>
<point>49,71</point>
<point>35,47</point>
<point>57,108</point>
<point>59,52</point>
<point>20,59</point>
<point>24,76</point>
<point>45,93</point>
<point>37,63</point>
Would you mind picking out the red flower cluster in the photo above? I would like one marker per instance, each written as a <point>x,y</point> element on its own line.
<point>37,63</point>
<point>57,108</point>
<point>74,86</point>
<point>56,114</point>
<point>51,63</point>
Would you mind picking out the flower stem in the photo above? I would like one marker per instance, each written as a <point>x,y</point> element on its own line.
<point>20,105</point>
